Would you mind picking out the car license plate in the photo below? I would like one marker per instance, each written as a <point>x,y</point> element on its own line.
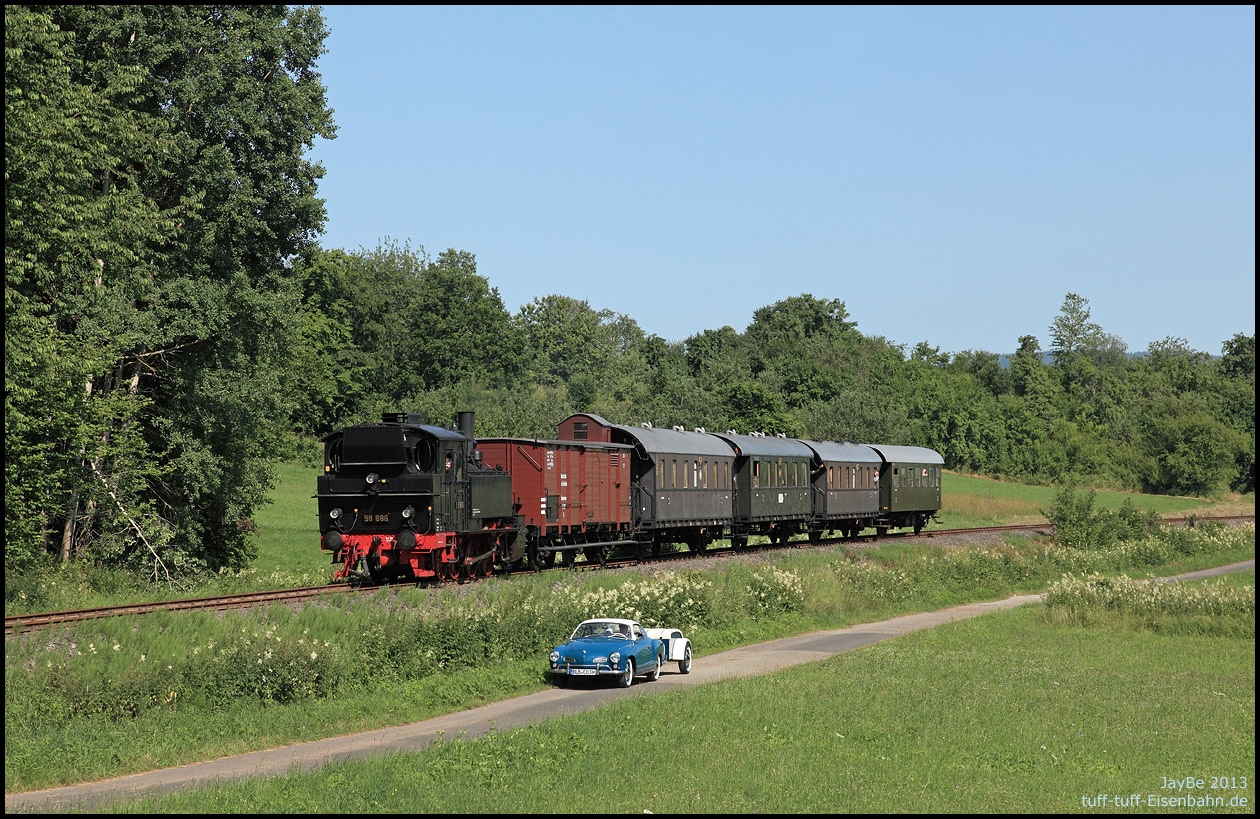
<point>581,672</point>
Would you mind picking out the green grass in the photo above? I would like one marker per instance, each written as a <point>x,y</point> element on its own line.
<point>968,501</point>
<point>838,590</point>
<point>1003,713</point>
<point>186,687</point>
<point>288,527</point>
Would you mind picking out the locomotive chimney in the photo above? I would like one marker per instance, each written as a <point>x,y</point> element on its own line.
<point>465,423</point>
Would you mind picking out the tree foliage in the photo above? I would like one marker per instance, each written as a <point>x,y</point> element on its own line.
<point>155,187</point>
<point>170,321</point>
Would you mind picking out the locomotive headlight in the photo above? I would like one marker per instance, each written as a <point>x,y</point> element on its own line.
<point>409,513</point>
<point>372,478</point>
<point>614,658</point>
<point>334,513</point>
<point>555,658</point>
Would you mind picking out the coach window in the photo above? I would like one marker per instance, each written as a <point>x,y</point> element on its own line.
<point>756,473</point>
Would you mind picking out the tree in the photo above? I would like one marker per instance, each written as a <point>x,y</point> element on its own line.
<point>176,261</point>
<point>1090,362</point>
<point>1235,404</point>
<point>457,327</point>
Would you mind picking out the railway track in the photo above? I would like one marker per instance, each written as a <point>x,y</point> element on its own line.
<point>29,622</point>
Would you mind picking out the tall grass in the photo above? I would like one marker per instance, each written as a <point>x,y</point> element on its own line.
<point>1002,713</point>
<point>79,700</point>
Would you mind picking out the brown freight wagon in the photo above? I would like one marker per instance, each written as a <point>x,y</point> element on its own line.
<point>572,495</point>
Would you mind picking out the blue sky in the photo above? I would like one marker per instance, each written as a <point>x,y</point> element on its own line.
<point>949,173</point>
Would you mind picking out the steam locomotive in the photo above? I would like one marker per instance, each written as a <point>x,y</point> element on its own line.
<point>405,500</point>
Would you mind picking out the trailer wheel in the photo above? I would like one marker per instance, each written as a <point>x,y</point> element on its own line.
<point>684,665</point>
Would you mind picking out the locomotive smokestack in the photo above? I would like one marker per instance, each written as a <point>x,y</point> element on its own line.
<point>466,423</point>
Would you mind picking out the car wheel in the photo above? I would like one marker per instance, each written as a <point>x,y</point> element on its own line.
<point>627,679</point>
<point>656,672</point>
<point>684,665</point>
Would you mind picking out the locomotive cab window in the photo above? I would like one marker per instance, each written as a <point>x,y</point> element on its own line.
<point>423,455</point>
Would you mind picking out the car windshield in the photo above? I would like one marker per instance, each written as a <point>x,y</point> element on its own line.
<point>601,628</point>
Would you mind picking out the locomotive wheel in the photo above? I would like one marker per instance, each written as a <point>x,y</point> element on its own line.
<point>544,560</point>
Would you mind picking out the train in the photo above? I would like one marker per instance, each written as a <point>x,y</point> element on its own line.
<point>403,500</point>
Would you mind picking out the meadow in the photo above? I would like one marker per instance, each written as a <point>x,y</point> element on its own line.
<point>126,695</point>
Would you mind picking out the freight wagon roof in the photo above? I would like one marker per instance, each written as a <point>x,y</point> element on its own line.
<point>847,452</point>
<point>675,442</point>
<point>556,443</point>
<point>755,445</point>
<point>908,454</point>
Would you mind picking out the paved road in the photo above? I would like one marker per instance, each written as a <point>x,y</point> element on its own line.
<point>515,713</point>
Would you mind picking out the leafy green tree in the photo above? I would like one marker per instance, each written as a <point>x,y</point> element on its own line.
<point>571,342</point>
<point>717,357</point>
<point>1190,452</point>
<point>330,372</point>
<point>200,193</point>
<point>1090,362</point>
<point>986,368</point>
<point>1234,403</point>
<point>751,407</point>
<point>457,327</point>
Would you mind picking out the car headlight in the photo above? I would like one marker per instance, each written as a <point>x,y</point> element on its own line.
<point>555,658</point>
<point>614,658</point>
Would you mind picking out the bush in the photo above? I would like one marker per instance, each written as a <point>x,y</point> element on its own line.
<point>1078,526</point>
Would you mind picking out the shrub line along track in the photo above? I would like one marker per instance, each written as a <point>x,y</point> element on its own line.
<point>30,622</point>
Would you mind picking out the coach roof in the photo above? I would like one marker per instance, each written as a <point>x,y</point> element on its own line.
<point>765,446</point>
<point>908,454</point>
<point>675,442</point>
<point>846,452</point>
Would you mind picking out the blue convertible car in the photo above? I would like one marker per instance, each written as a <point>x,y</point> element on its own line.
<point>609,647</point>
